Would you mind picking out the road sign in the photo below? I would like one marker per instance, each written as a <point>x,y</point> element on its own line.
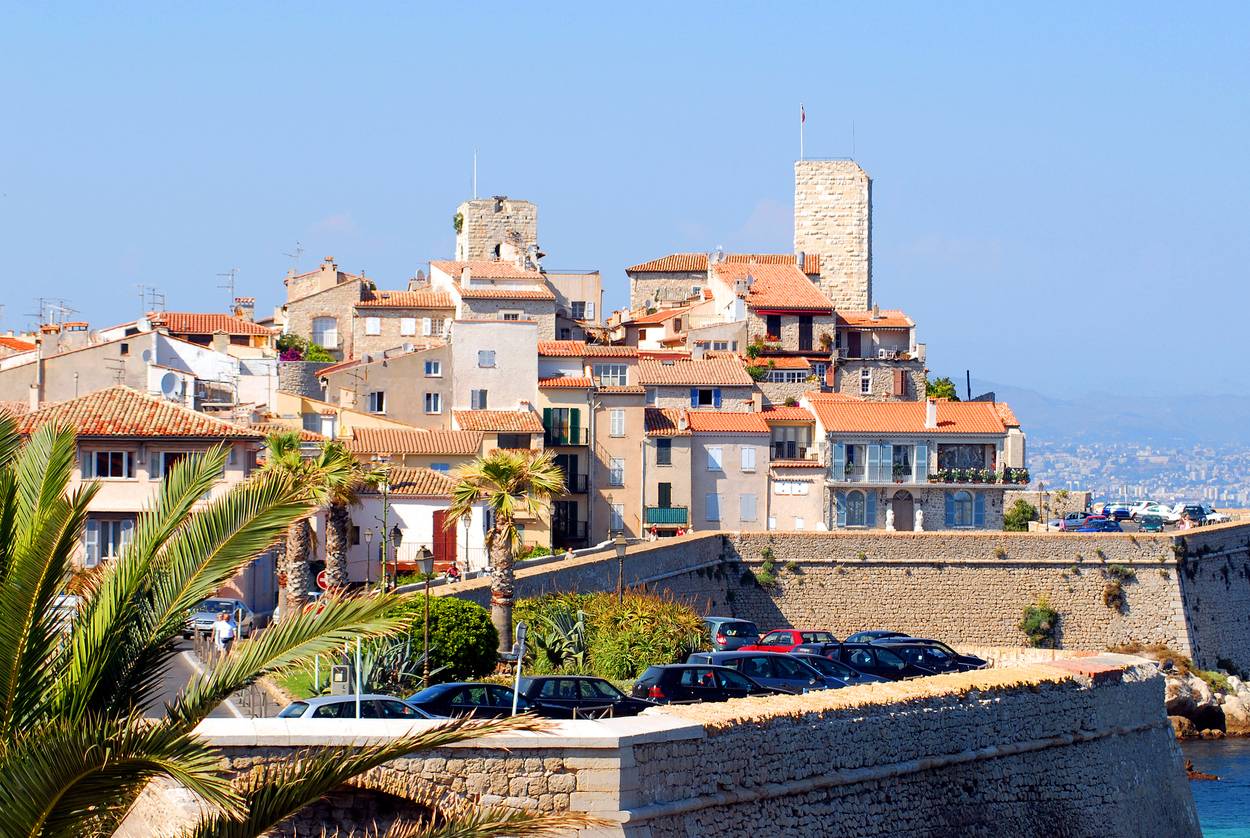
<point>323,581</point>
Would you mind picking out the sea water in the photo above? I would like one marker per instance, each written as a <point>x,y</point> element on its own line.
<point>1223,804</point>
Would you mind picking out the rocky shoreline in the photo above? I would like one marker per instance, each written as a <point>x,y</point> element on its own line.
<point>1199,710</point>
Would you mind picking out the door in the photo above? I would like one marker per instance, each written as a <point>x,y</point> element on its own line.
<point>852,344</point>
<point>444,542</point>
<point>904,511</point>
<point>805,333</point>
<point>665,495</point>
<point>568,464</point>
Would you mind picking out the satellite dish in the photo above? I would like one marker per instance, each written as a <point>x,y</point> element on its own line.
<point>169,386</point>
<point>147,355</point>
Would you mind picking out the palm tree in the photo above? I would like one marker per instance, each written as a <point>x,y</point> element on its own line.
<point>75,748</point>
<point>342,475</point>
<point>284,456</point>
<point>507,481</point>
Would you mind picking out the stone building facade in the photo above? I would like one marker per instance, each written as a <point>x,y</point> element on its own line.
<point>833,218</point>
<point>488,226</point>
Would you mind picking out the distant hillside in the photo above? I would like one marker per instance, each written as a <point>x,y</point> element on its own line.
<point>1108,417</point>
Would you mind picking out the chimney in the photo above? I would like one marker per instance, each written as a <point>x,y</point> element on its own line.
<point>73,336</point>
<point>683,422</point>
<point>466,276</point>
<point>220,342</point>
<point>245,307</point>
<point>34,395</point>
<point>800,259</point>
<point>930,415</point>
<point>876,312</point>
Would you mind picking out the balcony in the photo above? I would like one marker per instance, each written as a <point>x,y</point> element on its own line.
<point>566,436</point>
<point>673,516</point>
<point>568,533</point>
<point>576,484</point>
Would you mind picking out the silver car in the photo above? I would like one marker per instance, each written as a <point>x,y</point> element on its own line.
<point>205,614</point>
<point>372,706</point>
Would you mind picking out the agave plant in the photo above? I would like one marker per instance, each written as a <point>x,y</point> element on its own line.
<point>75,747</point>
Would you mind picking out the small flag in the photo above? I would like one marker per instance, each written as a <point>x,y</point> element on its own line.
<point>802,114</point>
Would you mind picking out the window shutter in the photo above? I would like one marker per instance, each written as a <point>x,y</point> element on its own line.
<point>694,397</point>
<point>426,327</point>
<point>716,398</point>
<point>575,424</point>
<point>899,388</point>
<point>713,507</point>
<point>128,533</point>
<point>873,473</point>
<point>547,420</point>
<point>156,465</point>
<point>589,312</point>
<point>840,500</point>
<point>88,465</point>
<point>887,462</point>
<point>920,463</point>
<point>838,466</point>
<point>950,510</point>
<point>746,512</point>
<point>91,541</point>
<point>978,510</point>
<point>870,509</point>
<point>748,458</point>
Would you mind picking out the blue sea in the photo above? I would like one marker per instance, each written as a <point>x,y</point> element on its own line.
<point>1224,804</point>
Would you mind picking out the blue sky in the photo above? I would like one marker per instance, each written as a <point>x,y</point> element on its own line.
<point>1061,194</point>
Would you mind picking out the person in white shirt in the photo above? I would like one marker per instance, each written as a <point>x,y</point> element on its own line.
<point>223,632</point>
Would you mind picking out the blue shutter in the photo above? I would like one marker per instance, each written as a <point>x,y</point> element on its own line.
<point>887,462</point>
<point>950,510</point>
<point>978,510</point>
<point>694,397</point>
<point>838,467</point>
<point>920,463</point>
<point>840,500</point>
<point>873,471</point>
<point>870,509</point>
<point>716,398</point>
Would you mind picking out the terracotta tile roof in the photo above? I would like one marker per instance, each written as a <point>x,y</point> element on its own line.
<point>787,413</point>
<point>621,390</point>
<point>1006,414</point>
<point>726,422</point>
<point>418,345</point>
<point>506,421</point>
<point>121,411</point>
<point>415,483</point>
<point>695,262</point>
<point>786,362</point>
<point>506,293</point>
<point>190,323</point>
<point>578,349</point>
<point>15,408</point>
<point>657,317</point>
<point>424,298</point>
<point>665,421</point>
<point>16,344</point>
<point>414,441</point>
<point>707,372</point>
<point>886,319</point>
<point>829,396</point>
<point>486,270</point>
<point>782,287</point>
<point>796,464</point>
<point>566,382</point>
<point>908,417</point>
<point>271,428</point>
<point>339,367</point>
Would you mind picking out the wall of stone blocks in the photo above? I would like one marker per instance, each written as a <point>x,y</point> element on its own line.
<point>338,302</point>
<point>643,289</point>
<point>543,312</point>
<point>302,377</point>
<point>1213,568</point>
<point>848,372</point>
<point>833,218</point>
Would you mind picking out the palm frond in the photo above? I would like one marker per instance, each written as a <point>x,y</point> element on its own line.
<point>10,439</point>
<point>494,822</point>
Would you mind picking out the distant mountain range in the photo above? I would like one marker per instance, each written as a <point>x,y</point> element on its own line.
<point>1106,417</point>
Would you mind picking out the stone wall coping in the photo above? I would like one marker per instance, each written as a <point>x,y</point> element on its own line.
<point>608,734</point>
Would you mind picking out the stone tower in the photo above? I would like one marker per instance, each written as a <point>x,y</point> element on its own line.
<point>495,228</point>
<point>833,218</point>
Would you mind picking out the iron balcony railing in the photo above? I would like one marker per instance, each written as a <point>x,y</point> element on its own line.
<point>565,531</point>
<point>671,515</point>
<point>566,436</point>
<point>575,484</point>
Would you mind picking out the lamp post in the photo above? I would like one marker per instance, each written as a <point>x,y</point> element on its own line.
<point>619,544</point>
<point>397,538</point>
<point>368,548</point>
<point>425,563</point>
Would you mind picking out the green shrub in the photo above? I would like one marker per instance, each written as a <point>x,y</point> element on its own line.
<point>794,567</point>
<point>1040,623</point>
<point>534,552</point>
<point>1018,515</point>
<point>1000,552</point>
<point>1113,596</point>
<point>462,638</point>
<point>1216,680</point>
<point>1123,573</point>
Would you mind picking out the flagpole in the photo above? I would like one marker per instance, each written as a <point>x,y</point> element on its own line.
<point>802,119</point>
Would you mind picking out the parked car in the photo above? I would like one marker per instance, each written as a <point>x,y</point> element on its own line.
<point>877,660</point>
<point>467,699</point>
<point>682,683</point>
<point>1194,512</point>
<point>1117,511</point>
<point>730,633</point>
<point>372,706</point>
<point>869,636</point>
<point>1151,523</point>
<point>830,668</point>
<point>772,669</point>
<point>205,614</point>
<point>1214,517</point>
<point>1074,520</point>
<point>1100,525</point>
<point>1164,511</point>
<point>578,697</point>
<point>784,640</point>
<point>932,654</point>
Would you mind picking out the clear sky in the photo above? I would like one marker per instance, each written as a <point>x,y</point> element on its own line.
<point>1061,193</point>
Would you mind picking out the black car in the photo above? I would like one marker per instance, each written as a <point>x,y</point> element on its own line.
<point>682,683</point>
<point>836,669</point>
<point>877,660</point>
<point>1195,513</point>
<point>869,636</point>
<point>467,699</point>
<point>932,654</point>
<point>779,670</point>
<point>578,697</point>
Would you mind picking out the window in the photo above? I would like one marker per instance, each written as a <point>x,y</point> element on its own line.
<point>865,381</point>
<point>748,458</point>
<point>856,510</point>
<point>715,458</point>
<point>705,397</point>
<point>433,403</point>
<point>108,465</point>
<point>311,422</point>
<point>407,326</point>
<point>106,538</point>
<point>477,400</point>
<point>961,456</point>
<point>373,325</point>
<point>486,358</point>
<point>436,326</point>
<point>611,375</point>
<point>902,460</point>
<point>790,442</point>
<point>162,462</point>
<point>642,335</point>
<point>676,324</point>
<point>443,467</point>
<point>325,332</point>
<point>818,369</point>
<point>712,505</point>
<point>509,315</point>
<point>773,327</point>
<point>696,290</point>
<point>663,451</point>
<point>962,505</point>
<point>124,349</point>
<point>513,440</point>
<point>616,421</point>
<point>651,395</point>
<point>787,376</point>
<point>799,523</point>
<point>616,472</point>
<point>664,495</point>
<point>578,309</point>
<point>433,369</point>
<point>746,507</point>
<point>617,520</point>
<point>377,401</point>
<point>566,333</point>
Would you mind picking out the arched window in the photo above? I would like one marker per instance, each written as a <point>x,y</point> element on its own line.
<point>325,332</point>
<point>963,509</point>
<point>856,510</point>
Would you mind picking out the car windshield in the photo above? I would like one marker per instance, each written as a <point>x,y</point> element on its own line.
<point>889,659</point>
<point>595,689</point>
<point>216,605</point>
<point>822,665</point>
<point>293,710</point>
<point>738,629</point>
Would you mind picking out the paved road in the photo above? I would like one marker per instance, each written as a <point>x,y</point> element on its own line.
<point>185,666</point>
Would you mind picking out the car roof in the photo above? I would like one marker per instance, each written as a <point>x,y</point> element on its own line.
<point>339,699</point>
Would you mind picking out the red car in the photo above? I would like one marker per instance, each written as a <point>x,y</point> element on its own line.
<point>784,640</point>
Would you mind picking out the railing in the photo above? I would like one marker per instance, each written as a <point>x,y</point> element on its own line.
<point>566,436</point>
<point>566,531</point>
<point>678,515</point>
<point>576,484</point>
<point>252,701</point>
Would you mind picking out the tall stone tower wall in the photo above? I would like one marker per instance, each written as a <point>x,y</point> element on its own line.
<point>833,218</point>
<point>492,227</point>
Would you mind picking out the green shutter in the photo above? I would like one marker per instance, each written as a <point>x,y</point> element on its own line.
<point>575,426</point>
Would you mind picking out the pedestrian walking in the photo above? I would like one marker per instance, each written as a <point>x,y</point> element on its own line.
<point>223,632</point>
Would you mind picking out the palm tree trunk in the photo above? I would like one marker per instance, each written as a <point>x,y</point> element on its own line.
<point>337,522</point>
<point>299,539</point>
<point>502,588</point>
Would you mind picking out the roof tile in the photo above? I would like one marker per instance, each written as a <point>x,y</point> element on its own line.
<point>665,421</point>
<point>885,319</point>
<point>414,441</point>
<point>909,417</point>
<point>191,323</point>
<point>421,298</point>
<point>787,413</point>
<point>695,262</point>
<point>578,349</point>
<point>726,422</point>
<point>16,344</point>
<point>566,382</point>
<point>415,482</point>
<point>121,411</point>
<point>706,372</point>
<point>774,286</point>
<point>506,421</point>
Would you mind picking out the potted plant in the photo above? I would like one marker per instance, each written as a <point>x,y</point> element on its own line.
<point>850,467</point>
<point>900,472</point>
<point>826,341</point>
<point>1022,476</point>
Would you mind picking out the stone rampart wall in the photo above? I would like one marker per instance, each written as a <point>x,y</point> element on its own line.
<point>301,377</point>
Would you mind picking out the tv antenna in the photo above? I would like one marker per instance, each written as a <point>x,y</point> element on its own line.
<point>150,298</point>
<point>294,257</point>
<point>230,276</point>
<point>52,311</point>
<point>118,367</point>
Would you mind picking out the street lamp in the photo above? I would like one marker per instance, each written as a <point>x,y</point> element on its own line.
<point>397,538</point>
<point>619,544</point>
<point>425,563</point>
<point>368,549</point>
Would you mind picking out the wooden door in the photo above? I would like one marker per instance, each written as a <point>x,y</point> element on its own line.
<point>444,542</point>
